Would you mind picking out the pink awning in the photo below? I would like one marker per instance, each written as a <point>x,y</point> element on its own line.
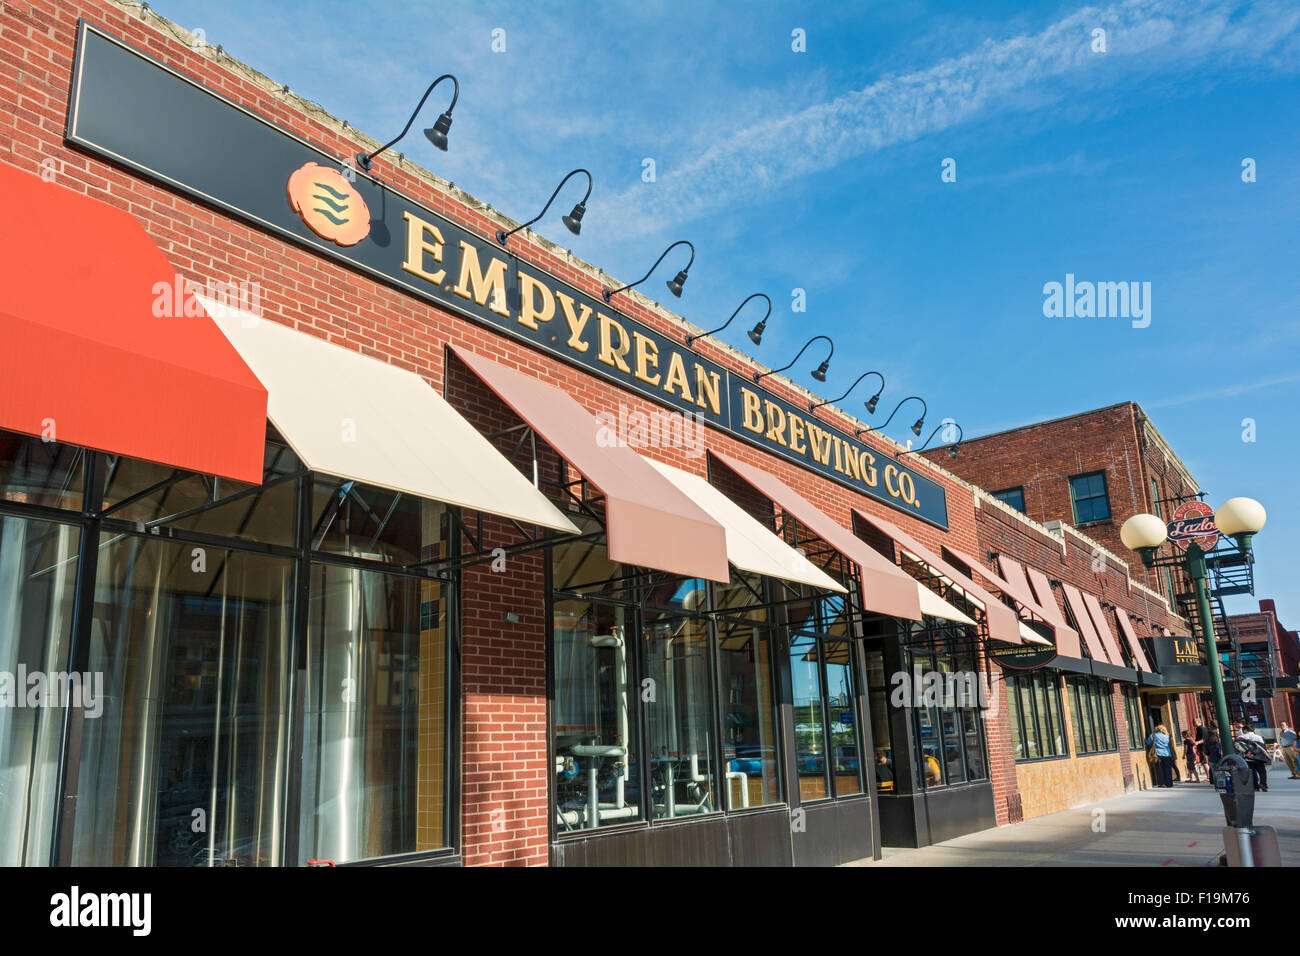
<point>1130,635</point>
<point>649,523</point>
<point>1014,584</point>
<point>885,589</point>
<point>1003,623</point>
<point>1067,642</point>
<point>1104,630</point>
<point>1082,618</point>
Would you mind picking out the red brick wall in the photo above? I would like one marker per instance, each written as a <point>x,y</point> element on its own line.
<point>504,677</point>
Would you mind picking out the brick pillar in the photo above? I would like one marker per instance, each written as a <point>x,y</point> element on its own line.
<point>1002,760</point>
<point>503,715</point>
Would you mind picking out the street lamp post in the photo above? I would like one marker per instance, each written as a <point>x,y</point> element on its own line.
<point>1238,518</point>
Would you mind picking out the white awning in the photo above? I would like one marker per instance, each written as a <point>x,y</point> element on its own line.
<point>1032,636</point>
<point>750,546</point>
<point>354,417</point>
<point>936,606</point>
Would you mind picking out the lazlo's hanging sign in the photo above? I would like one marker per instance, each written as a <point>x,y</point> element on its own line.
<point>139,113</point>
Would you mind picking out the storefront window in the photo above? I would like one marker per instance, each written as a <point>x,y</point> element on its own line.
<point>751,761</point>
<point>946,704</point>
<point>187,764</point>
<point>597,775</point>
<point>38,566</point>
<point>809,721</point>
<point>38,472</point>
<point>878,691</point>
<point>1092,714</point>
<point>1036,729</point>
<point>841,717</point>
<point>680,722</point>
<point>1133,717</point>
<point>374,760</point>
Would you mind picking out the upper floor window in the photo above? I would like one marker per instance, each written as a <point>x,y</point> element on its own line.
<point>1088,493</point>
<point>1015,497</point>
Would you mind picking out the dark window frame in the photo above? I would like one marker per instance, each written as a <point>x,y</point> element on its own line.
<point>1015,489</point>
<point>1075,499</point>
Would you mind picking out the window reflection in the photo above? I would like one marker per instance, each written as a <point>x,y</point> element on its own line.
<point>809,726</point>
<point>596,780</point>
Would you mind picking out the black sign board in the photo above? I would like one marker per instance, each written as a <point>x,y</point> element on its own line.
<point>141,114</point>
<point>1026,656</point>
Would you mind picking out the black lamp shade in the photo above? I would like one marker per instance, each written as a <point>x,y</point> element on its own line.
<point>437,134</point>
<point>573,221</point>
<point>917,426</point>
<point>819,372</point>
<point>675,286</point>
<point>871,403</point>
<point>952,451</point>
<point>756,333</point>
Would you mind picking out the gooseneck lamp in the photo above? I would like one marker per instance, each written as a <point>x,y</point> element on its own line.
<point>869,403</point>
<point>674,285</point>
<point>573,221</point>
<point>818,373</point>
<point>755,334</point>
<point>916,425</point>
<point>952,449</point>
<point>437,134</point>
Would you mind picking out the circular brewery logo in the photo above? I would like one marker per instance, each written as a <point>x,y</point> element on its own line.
<point>329,204</point>
<point>1193,521</point>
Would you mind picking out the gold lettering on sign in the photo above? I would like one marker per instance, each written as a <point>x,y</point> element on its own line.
<point>796,435</point>
<point>852,468</point>
<point>708,389</point>
<point>907,487</point>
<point>422,238</point>
<point>820,440</point>
<point>530,314</point>
<point>752,420</point>
<point>577,321</point>
<point>676,382</point>
<point>891,480</point>
<point>611,354</point>
<point>647,357</point>
<point>839,453</point>
<point>482,288</point>
<point>868,469</point>
<point>775,423</point>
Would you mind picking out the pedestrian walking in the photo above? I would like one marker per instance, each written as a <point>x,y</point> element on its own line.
<point>1287,738</point>
<point>1163,749</point>
<point>1201,757</point>
<point>1189,757</point>
<point>1213,752</point>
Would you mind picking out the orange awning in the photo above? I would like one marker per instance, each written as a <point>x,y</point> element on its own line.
<point>885,589</point>
<point>1003,623</point>
<point>649,523</point>
<point>98,350</point>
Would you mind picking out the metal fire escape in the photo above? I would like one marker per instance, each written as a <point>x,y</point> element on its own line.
<point>1229,572</point>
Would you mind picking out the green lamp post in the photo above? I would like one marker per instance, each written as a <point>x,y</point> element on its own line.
<point>1239,519</point>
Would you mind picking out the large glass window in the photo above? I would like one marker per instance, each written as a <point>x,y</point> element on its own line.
<point>186,750</point>
<point>595,714</point>
<point>945,704</point>
<point>751,762</point>
<point>1133,717</point>
<point>1035,715</point>
<point>1088,493</point>
<point>38,566</point>
<point>187,765</point>
<point>1092,714</point>
<point>679,720</point>
<point>374,760</point>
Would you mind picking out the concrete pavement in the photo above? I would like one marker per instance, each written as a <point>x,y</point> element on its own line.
<point>1178,827</point>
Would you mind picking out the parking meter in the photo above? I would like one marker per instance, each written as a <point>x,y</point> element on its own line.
<point>1236,786</point>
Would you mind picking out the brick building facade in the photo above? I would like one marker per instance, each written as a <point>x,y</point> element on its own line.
<point>497,704</point>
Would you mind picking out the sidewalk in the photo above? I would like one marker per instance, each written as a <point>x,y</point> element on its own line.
<point>1178,827</point>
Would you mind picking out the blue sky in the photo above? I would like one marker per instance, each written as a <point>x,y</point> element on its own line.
<point>820,170</point>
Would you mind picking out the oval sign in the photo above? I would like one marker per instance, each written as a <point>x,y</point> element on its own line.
<point>1193,521</point>
<point>329,204</point>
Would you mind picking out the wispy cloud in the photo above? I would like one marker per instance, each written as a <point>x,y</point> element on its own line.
<point>1020,74</point>
<point>1226,391</point>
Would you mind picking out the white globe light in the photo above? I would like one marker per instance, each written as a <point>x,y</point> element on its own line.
<point>1143,531</point>
<point>1240,516</point>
